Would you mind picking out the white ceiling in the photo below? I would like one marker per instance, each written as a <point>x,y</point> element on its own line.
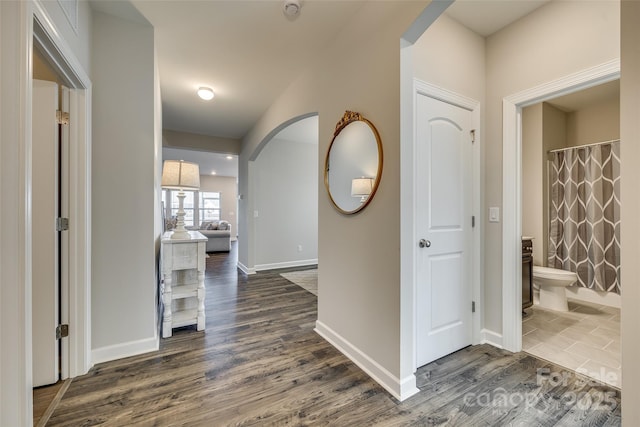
<point>587,97</point>
<point>208,162</point>
<point>249,51</point>
<point>303,131</point>
<point>485,17</point>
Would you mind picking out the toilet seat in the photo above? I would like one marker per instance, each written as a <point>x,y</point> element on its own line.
<point>553,274</point>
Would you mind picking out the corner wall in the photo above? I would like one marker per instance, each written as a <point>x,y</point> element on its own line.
<point>596,123</point>
<point>124,188</point>
<point>358,255</point>
<point>630,209</point>
<point>286,229</point>
<point>530,52</point>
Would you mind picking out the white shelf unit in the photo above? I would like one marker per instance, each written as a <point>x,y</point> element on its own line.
<point>183,292</point>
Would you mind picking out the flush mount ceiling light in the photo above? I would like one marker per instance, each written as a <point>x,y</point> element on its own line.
<point>229,157</point>
<point>291,7</point>
<point>205,93</point>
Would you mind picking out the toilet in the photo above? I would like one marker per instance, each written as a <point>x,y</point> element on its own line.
<point>552,283</point>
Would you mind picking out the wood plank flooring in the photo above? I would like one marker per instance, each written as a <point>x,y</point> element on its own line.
<point>259,362</point>
<point>45,399</point>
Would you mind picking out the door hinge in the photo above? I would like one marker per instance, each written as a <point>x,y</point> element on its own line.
<point>473,306</point>
<point>62,118</point>
<point>473,221</point>
<point>62,331</point>
<point>62,224</point>
<point>473,135</point>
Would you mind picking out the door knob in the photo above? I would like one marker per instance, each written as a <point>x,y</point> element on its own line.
<point>424,243</point>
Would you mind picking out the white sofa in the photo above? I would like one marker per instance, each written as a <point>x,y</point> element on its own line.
<point>218,235</point>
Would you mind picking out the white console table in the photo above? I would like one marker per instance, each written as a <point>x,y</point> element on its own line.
<point>183,265</point>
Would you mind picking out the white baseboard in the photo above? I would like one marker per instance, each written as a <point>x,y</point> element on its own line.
<point>120,351</point>
<point>400,389</point>
<point>490,337</point>
<point>287,264</point>
<point>245,269</point>
<point>580,293</point>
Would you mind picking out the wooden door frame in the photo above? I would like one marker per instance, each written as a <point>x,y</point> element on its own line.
<point>27,22</point>
<point>78,346</point>
<point>512,182</point>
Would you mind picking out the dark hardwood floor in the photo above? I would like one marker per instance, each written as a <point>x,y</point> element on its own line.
<point>259,362</point>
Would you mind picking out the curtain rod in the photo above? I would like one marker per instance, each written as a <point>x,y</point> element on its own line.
<point>585,145</point>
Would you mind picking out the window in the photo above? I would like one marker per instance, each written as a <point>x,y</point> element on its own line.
<point>198,206</point>
<point>209,206</point>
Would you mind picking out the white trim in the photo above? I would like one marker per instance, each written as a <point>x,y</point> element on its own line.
<point>491,337</point>
<point>61,54</point>
<point>286,264</point>
<point>445,95</point>
<point>15,214</point>
<point>127,349</point>
<point>15,227</point>
<point>400,389</point>
<point>511,185</point>
<point>579,293</point>
<point>245,269</point>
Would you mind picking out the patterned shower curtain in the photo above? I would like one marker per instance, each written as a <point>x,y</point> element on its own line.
<point>584,229</point>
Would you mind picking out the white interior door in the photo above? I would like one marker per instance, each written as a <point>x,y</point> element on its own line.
<point>444,227</point>
<point>44,208</point>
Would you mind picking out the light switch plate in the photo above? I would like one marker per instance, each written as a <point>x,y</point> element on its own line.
<point>494,214</point>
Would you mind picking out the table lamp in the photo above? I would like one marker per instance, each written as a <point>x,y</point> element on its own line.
<point>180,175</point>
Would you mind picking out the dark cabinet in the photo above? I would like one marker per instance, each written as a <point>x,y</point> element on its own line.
<point>527,273</point>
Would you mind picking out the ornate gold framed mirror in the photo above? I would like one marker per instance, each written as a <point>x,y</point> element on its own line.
<point>353,166</point>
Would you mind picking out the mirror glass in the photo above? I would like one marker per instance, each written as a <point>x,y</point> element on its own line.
<point>354,163</point>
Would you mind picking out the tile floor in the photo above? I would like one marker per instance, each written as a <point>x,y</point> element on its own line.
<point>585,339</point>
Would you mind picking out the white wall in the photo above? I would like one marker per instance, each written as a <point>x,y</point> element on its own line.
<point>532,192</point>
<point>228,188</point>
<point>451,56</point>
<point>544,128</point>
<point>124,188</point>
<point>630,209</point>
<point>554,41</point>
<point>359,277</point>
<point>595,123</point>
<point>15,256</point>
<point>286,174</point>
<point>79,39</point>
<point>15,267</point>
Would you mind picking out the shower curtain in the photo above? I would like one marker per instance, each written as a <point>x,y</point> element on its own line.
<point>584,229</point>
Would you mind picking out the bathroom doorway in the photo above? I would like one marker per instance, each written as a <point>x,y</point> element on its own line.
<point>570,218</point>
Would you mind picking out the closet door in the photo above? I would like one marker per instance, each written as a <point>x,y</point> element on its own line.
<point>45,250</point>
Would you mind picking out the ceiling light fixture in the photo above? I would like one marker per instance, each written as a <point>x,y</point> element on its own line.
<point>213,172</point>
<point>205,93</point>
<point>291,7</point>
<point>229,157</point>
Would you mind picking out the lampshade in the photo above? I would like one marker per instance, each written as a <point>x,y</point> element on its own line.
<point>361,187</point>
<point>180,175</point>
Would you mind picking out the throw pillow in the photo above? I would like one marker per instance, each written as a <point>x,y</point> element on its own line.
<point>170,223</point>
<point>204,225</point>
<point>213,225</point>
<point>224,225</point>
